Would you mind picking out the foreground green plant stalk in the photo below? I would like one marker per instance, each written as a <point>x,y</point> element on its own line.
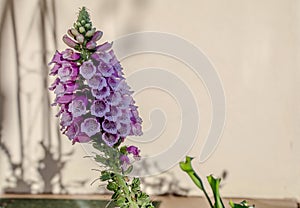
<point>214,184</point>
<point>126,192</point>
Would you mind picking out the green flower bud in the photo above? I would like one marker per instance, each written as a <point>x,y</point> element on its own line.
<point>87,26</point>
<point>112,186</point>
<point>90,33</point>
<point>78,24</point>
<point>81,30</point>
<point>74,32</point>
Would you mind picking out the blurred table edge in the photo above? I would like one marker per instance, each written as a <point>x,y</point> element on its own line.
<point>168,200</point>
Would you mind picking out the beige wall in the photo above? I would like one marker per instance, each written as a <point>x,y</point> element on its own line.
<point>254,46</point>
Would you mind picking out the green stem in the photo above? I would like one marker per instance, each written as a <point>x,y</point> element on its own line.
<point>197,180</point>
<point>124,186</point>
<point>186,166</point>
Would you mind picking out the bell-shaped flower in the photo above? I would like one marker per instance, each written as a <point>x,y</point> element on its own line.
<point>81,138</point>
<point>124,129</point>
<point>67,72</point>
<point>134,151</point>
<point>70,55</point>
<point>87,69</point>
<point>63,99</point>
<point>78,106</point>
<point>110,139</point>
<point>66,119</point>
<point>97,81</point>
<point>110,126</point>
<point>105,69</point>
<point>125,162</point>
<point>102,93</point>
<point>90,126</point>
<point>114,98</point>
<point>113,114</point>
<point>99,108</point>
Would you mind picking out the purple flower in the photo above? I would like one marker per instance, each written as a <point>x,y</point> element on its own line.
<point>123,87</point>
<point>102,93</point>
<point>133,150</point>
<point>74,128</point>
<point>99,108</point>
<point>97,81</point>
<point>71,43</point>
<point>136,129</point>
<point>90,126</point>
<point>70,87</point>
<point>54,84</point>
<point>78,106</point>
<point>110,139</point>
<point>124,129</point>
<point>125,102</point>
<point>56,58</point>
<point>59,89</point>
<point>105,69</point>
<point>125,162</point>
<point>66,119</point>
<point>113,82</point>
<point>67,72</point>
<point>69,54</point>
<point>64,99</point>
<point>113,114</point>
<point>114,98</point>
<point>72,131</point>
<point>110,126</point>
<point>87,69</point>
<point>81,138</point>
<point>92,92</point>
<point>54,70</point>
<point>124,117</point>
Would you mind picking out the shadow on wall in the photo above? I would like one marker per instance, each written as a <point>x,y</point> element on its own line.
<point>51,164</point>
<point>134,19</point>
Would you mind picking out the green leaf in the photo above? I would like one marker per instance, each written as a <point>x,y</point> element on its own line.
<point>112,186</point>
<point>116,195</point>
<point>187,167</point>
<point>215,184</point>
<point>123,150</point>
<point>106,176</point>
<point>101,159</point>
<point>129,169</point>
<point>121,200</point>
<point>243,204</point>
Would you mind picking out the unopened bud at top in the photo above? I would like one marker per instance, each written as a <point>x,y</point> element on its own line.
<point>90,33</point>
<point>70,33</point>
<point>74,32</point>
<point>71,43</point>
<point>97,36</point>
<point>81,30</point>
<point>80,38</point>
<point>91,45</point>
